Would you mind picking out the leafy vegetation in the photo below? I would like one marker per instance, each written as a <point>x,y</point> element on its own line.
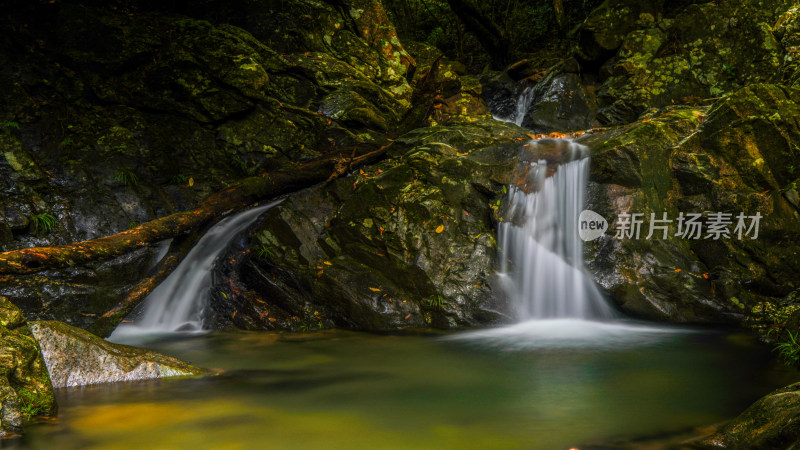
<point>263,251</point>
<point>8,126</point>
<point>436,302</point>
<point>126,177</point>
<point>179,179</point>
<point>29,403</point>
<point>789,350</point>
<point>43,223</point>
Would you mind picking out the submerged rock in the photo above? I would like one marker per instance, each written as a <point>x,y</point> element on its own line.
<point>75,357</point>
<point>773,422</point>
<point>25,389</point>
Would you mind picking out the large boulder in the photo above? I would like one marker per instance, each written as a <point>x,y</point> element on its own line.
<point>408,242</point>
<point>111,119</point>
<point>75,357</point>
<point>738,157</point>
<point>25,389</point>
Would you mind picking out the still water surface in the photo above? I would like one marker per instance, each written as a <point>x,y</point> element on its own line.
<point>349,390</point>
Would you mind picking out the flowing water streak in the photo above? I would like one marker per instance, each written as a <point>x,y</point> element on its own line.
<point>177,304</point>
<point>541,268</point>
<point>522,104</point>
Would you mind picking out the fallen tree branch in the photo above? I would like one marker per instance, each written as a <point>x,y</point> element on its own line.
<point>213,208</point>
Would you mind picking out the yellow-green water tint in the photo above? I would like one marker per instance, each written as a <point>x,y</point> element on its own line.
<point>341,390</point>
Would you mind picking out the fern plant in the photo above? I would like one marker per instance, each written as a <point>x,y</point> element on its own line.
<point>789,350</point>
<point>436,301</point>
<point>43,223</point>
<point>29,404</point>
<point>126,177</point>
<point>263,251</point>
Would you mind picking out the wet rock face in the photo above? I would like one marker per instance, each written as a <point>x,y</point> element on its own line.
<point>656,54</point>
<point>110,120</point>
<point>735,157</point>
<point>769,423</point>
<point>75,357</point>
<point>562,102</point>
<point>25,389</point>
<point>408,242</point>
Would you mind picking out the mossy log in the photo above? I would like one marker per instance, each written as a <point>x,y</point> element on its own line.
<point>213,208</point>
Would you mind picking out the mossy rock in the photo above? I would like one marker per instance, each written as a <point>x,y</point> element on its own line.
<point>25,388</point>
<point>732,158</point>
<point>649,54</point>
<point>772,422</point>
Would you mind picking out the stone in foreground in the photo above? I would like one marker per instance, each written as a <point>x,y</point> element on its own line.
<point>25,389</point>
<point>770,423</point>
<point>75,357</point>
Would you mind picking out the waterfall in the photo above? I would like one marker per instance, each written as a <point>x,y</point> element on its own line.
<point>178,303</point>
<point>541,261</point>
<point>523,103</point>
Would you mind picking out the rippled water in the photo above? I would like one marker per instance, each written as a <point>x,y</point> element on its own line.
<point>482,390</point>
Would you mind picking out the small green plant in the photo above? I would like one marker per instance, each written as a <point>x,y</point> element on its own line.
<point>790,169</point>
<point>263,251</point>
<point>180,179</point>
<point>729,71</point>
<point>7,126</point>
<point>240,162</point>
<point>436,301</point>
<point>789,350</point>
<point>126,177</point>
<point>29,404</point>
<point>43,223</point>
<point>192,22</point>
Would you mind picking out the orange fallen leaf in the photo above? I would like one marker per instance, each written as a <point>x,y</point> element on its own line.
<point>408,316</point>
<point>327,263</point>
<point>272,319</point>
<point>234,315</point>
<point>678,270</point>
<point>191,182</point>
<point>374,289</point>
<point>440,228</point>
<point>705,275</point>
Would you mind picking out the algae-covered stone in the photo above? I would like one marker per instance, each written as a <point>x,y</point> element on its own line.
<point>773,422</point>
<point>75,357</point>
<point>25,389</point>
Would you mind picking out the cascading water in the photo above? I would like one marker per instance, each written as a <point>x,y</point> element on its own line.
<point>541,264</point>
<point>177,304</point>
<point>521,107</point>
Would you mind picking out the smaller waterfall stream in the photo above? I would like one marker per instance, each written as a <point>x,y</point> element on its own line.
<point>177,304</point>
<point>521,108</point>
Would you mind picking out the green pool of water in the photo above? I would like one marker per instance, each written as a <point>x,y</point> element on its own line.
<point>345,390</point>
